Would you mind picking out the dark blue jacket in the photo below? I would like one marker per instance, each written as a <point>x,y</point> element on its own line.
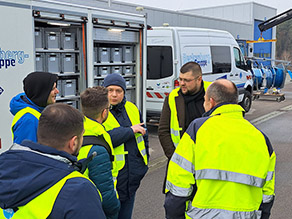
<point>100,173</point>
<point>26,126</point>
<point>24,174</point>
<point>130,176</point>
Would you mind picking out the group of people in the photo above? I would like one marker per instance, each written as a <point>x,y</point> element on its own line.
<point>67,164</point>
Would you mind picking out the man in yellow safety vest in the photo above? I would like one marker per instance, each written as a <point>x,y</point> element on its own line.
<point>41,180</point>
<point>130,141</point>
<point>181,106</point>
<point>223,167</point>
<point>102,170</point>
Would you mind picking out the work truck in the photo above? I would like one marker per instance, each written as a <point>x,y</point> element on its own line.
<point>81,44</point>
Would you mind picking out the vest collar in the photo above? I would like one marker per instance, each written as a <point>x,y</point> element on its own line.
<point>224,108</point>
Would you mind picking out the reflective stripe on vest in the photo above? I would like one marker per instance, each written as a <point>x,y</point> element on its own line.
<point>194,212</point>
<point>20,113</point>
<point>174,124</point>
<point>230,176</point>
<point>41,206</point>
<point>178,191</point>
<point>94,128</point>
<point>111,123</point>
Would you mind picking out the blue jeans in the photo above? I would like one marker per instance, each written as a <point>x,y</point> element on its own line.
<point>126,209</point>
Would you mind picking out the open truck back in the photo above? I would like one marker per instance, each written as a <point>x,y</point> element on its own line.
<point>81,44</point>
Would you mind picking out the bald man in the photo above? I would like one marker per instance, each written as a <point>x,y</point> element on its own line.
<point>223,164</point>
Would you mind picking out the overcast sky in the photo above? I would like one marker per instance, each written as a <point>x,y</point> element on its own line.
<point>280,5</point>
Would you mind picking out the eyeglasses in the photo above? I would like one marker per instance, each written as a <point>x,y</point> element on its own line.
<point>187,80</point>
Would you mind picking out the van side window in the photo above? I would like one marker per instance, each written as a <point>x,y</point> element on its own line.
<point>239,61</point>
<point>159,62</point>
<point>221,59</point>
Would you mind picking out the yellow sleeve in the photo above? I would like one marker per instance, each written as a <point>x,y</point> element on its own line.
<point>180,176</point>
<point>269,187</point>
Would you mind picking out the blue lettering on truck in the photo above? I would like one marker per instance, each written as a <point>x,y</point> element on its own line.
<point>201,59</point>
<point>11,58</point>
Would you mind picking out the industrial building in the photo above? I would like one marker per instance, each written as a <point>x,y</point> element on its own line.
<point>241,20</point>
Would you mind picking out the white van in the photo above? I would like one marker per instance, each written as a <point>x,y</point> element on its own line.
<point>217,52</point>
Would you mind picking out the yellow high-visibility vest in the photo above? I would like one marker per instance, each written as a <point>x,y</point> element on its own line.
<point>174,124</point>
<point>112,123</point>
<point>93,128</point>
<point>41,206</point>
<point>231,166</point>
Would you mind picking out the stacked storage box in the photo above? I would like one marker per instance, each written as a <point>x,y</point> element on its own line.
<point>56,52</point>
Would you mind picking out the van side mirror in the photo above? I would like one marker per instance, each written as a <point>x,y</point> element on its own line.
<point>248,65</point>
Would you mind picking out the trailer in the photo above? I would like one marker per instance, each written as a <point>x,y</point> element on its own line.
<point>81,44</point>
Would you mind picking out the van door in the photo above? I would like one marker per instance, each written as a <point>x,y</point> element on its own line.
<point>160,70</point>
<point>159,76</point>
<point>239,73</point>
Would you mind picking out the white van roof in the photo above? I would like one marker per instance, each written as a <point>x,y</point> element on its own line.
<point>195,29</point>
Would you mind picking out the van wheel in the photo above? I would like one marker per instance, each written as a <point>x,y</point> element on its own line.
<point>246,102</point>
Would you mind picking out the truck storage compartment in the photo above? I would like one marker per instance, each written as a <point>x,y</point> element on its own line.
<point>53,39</point>
<point>128,53</point>
<point>69,87</point>
<point>68,40</point>
<point>68,61</point>
<point>116,54</point>
<point>53,60</point>
<point>103,54</point>
<point>40,61</point>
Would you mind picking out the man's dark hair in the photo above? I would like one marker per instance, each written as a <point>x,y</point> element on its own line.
<point>58,123</point>
<point>93,101</point>
<point>194,67</point>
<point>223,92</point>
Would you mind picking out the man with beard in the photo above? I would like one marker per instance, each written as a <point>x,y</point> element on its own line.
<point>181,106</point>
<point>102,170</point>
<point>42,180</point>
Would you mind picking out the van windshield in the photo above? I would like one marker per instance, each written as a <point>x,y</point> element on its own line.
<point>159,62</point>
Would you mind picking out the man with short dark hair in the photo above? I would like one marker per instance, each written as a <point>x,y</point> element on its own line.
<point>40,90</point>
<point>223,167</point>
<point>40,180</point>
<point>181,106</point>
<point>102,170</point>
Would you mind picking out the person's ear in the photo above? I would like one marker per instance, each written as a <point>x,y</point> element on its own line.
<point>200,78</point>
<point>72,144</point>
<point>212,102</point>
<point>103,114</point>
